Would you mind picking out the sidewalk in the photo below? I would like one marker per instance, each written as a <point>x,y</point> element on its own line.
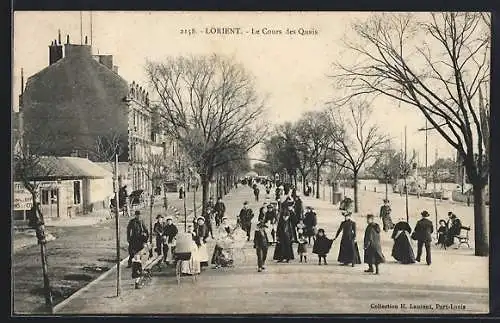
<point>455,277</point>
<point>83,249</point>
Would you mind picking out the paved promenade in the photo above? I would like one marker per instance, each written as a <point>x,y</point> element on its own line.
<point>457,280</point>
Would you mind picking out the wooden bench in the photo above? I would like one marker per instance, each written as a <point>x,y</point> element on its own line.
<point>463,238</point>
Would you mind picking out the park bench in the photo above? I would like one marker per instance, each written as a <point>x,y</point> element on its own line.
<point>463,237</point>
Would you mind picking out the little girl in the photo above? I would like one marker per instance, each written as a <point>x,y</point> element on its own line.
<point>442,234</point>
<point>322,246</point>
<point>302,243</point>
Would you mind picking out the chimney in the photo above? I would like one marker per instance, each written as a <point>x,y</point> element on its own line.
<point>67,39</point>
<point>106,60</point>
<point>59,36</point>
<point>86,40</point>
<point>55,52</point>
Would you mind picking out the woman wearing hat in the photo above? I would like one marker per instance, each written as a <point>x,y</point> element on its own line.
<point>423,234</point>
<point>310,222</point>
<point>285,236</point>
<point>348,253</point>
<point>402,250</point>
<point>191,266</point>
<point>219,257</point>
<point>385,215</point>
<point>373,250</point>
<point>201,231</point>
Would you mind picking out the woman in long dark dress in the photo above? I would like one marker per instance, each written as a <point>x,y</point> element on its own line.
<point>284,250</point>
<point>349,253</point>
<point>402,250</point>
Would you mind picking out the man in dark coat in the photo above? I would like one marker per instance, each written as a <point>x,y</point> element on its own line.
<point>137,235</point>
<point>245,219</point>
<point>454,226</point>
<point>220,208</point>
<point>271,219</point>
<point>348,253</point>
<point>261,243</point>
<point>422,233</point>
<point>208,221</point>
<point>256,193</point>
<point>158,232</point>
<point>210,203</point>
<point>385,215</point>
<point>373,250</point>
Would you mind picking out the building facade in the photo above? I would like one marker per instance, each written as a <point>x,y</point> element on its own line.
<point>80,106</point>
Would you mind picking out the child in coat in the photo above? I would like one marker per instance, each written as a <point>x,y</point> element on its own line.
<point>322,246</point>
<point>137,270</point>
<point>302,245</point>
<point>442,230</point>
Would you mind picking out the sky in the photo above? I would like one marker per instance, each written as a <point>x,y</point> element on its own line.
<point>291,70</point>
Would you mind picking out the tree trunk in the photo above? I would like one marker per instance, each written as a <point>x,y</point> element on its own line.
<point>205,186</point>
<point>295,180</point>
<point>480,221</point>
<point>356,203</point>
<point>317,182</point>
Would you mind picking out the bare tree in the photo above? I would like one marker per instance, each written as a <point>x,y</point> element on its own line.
<point>316,140</point>
<point>358,140</point>
<point>208,104</point>
<point>29,167</point>
<point>436,65</point>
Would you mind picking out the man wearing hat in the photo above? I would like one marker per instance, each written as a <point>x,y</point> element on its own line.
<point>169,233</point>
<point>137,235</point>
<point>271,219</point>
<point>385,215</point>
<point>245,219</point>
<point>220,208</point>
<point>261,243</point>
<point>310,221</point>
<point>158,229</point>
<point>423,234</point>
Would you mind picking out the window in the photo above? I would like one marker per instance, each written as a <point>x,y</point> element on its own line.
<point>76,192</point>
<point>45,197</point>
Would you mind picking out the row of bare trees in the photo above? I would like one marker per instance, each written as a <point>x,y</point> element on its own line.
<point>344,136</point>
<point>210,106</point>
<point>438,64</point>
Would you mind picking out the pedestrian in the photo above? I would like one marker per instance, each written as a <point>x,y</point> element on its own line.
<point>284,251</point>
<point>298,206</point>
<point>137,235</point>
<point>210,204</point>
<point>454,226</point>
<point>422,233</point>
<point>442,233</point>
<point>310,222</point>
<point>169,239</point>
<point>137,269</point>
<point>402,250</point>
<point>261,243</point>
<point>348,253</point>
<point>208,215</point>
<point>220,209</point>
<point>158,229</point>
<point>256,192</point>
<point>271,220</point>
<point>373,251</point>
<point>385,215</point>
<point>200,238</point>
<point>181,192</point>
<point>192,265</point>
<point>302,245</point>
<point>294,220</point>
<point>262,211</point>
<point>245,219</point>
<point>322,246</point>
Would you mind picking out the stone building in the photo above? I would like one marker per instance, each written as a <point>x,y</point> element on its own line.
<point>80,106</point>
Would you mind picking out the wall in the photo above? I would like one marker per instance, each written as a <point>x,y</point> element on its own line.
<point>101,190</point>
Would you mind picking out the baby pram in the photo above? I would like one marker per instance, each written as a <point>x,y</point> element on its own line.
<point>230,248</point>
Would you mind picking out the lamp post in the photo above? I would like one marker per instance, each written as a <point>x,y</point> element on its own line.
<point>151,203</point>
<point>117,187</point>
